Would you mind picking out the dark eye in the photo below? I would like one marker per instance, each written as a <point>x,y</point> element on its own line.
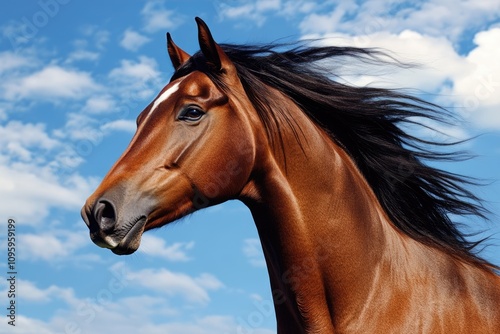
<point>191,114</point>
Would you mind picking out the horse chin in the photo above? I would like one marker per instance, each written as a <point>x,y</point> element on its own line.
<point>132,239</point>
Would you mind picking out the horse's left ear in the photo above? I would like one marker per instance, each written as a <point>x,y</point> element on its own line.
<point>177,55</point>
<point>214,54</point>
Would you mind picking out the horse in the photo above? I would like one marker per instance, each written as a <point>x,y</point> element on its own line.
<point>354,222</point>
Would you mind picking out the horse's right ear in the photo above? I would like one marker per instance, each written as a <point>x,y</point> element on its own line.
<point>177,55</point>
<point>213,53</point>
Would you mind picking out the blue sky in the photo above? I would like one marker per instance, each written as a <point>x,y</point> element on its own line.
<point>75,74</point>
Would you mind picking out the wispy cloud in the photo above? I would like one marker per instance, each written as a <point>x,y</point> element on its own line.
<point>249,10</point>
<point>10,61</point>
<point>253,251</point>
<point>82,55</point>
<point>89,46</point>
<point>27,135</point>
<point>100,104</point>
<point>155,246</point>
<point>144,69</point>
<point>109,311</point>
<point>157,18</point>
<point>53,81</point>
<point>132,40</point>
<point>29,192</point>
<point>53,246</point>
<point>124,125</point>
<point>440,18</point>
<point>38,172</point>
<point>136,79</point>
<point>170,283</point>
<point>34,294</point>
<point>95,36</point>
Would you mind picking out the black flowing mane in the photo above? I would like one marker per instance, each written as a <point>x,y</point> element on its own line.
<point>366,122</point>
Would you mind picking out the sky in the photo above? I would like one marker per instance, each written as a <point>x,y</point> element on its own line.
<point>75,74</point>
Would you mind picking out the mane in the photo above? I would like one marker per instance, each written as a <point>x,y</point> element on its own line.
<point>369,124</point>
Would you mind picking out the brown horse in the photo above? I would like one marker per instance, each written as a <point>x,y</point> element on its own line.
<point>355,227</point>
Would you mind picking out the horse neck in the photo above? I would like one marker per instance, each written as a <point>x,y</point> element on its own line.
<point>322,229</point>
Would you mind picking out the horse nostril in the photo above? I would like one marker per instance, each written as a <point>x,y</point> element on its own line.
<point>105,216</point>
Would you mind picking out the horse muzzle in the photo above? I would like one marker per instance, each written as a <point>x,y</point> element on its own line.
<point>115,225</point>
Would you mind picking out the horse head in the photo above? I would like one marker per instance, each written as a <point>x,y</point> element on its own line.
<point>194,147</point>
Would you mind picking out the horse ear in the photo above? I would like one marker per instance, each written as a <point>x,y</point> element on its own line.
<point>211,50</point>
<point>177,55</point>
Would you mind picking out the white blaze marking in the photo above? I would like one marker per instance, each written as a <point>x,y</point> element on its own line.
<point>165,95</point>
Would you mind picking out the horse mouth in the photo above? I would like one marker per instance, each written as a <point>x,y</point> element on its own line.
<point>124,240</point>
<point>132,239</point>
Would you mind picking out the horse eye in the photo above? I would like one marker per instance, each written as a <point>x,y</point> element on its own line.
<point>191,114</point>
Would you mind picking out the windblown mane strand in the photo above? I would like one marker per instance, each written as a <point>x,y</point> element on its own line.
<point>367,123</point>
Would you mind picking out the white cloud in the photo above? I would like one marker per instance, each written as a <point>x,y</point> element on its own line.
<point>32,293</point>
<point>469,83</point>
<point>120,125</point>
<point>192,289</point>
<point>155,246</point>
<point>109,311</point>
<point>52,81</point>
<point>427,33</point>
<point>118,318</point>
<point>253,251</point>
<point>26,134</point>
<point>80,55</point>
<point>28,194</point>
<point>83,128</point>
<point>135,80</point>
<point>234,12</point>
<point>156,17</point>
<point>136,71</point>
<point>437,59</point>
<point>447,19</point>
<point>53,246</point>
<point>85,48</point>
<point>292,8</point>
<point>100,104</point>
<point>323,23</point>
<point>94,36</point>
<point>444,18</point>
<point>37,172</point>
<point>10,61</point>
<point>263,5</point>
<point>476,92</point>
<point>250,10</point>
<point>132,40</point>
